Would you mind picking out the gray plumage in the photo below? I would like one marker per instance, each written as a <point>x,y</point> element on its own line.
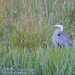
<point>60,38</point>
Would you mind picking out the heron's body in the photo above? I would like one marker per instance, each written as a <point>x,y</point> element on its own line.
<point>60,38</point>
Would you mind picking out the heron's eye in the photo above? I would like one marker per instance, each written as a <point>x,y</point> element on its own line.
<point>58,34</point>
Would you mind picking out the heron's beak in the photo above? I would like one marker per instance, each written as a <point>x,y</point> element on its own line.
<point>52,25</point>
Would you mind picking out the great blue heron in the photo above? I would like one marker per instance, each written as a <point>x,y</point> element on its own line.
<point>60,38</point>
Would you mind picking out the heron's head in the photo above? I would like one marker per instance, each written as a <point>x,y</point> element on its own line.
<point>58,25</point>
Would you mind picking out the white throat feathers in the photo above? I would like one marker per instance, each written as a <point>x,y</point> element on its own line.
<point>60,26</point>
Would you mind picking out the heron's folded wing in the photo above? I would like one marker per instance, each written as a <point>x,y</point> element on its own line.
<point>64,39</point>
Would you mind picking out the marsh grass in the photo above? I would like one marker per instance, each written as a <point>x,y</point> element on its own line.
<point>46,61</point>
<point>26,38</point>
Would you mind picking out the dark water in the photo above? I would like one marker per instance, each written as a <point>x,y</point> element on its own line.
<point>9,71</point>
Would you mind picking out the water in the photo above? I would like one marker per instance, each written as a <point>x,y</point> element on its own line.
<point>19,71</point>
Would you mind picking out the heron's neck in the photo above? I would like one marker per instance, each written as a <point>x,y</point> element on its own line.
<point>61,27</point>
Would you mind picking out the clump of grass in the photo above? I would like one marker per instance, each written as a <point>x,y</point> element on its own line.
<point>27,22</point>
<point>45,61</point>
